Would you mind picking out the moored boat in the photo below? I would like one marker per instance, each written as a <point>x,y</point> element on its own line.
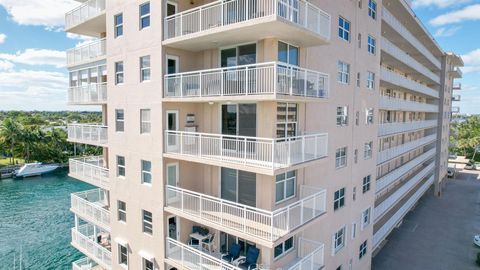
<point>35,169</point>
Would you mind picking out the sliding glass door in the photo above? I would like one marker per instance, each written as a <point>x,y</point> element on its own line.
<point>234,80</point>
<point>238,186</point>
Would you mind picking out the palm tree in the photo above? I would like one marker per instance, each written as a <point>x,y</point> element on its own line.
<point>10,133</point>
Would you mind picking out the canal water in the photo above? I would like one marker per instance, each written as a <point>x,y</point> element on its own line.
<point>35,219</point>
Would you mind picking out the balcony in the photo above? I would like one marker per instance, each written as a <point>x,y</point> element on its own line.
<point>455,109</point>
<point>391,177</point>
<point>393,79</point>
<point>90,94</point>
<point>456,98</point>
<point>88,53</point>
<point>408,62</point>
<point>92,205</point>
<point>310,256</point>
<point>220,23</point>
<point>254,224</point>
<point>457,86</point>
<point>85,264</point>
<point>88,19</point>
<point>386,228</point>
<point>398,150</point>
<point>385,129</point>
<point>88,134</point>
<point>455,72</point>
<point>395,24</point>
<point>397,104</point>
<point>401,191</point>
<point>262,81</point>
<point>84,238</point>
<point>260,155</point>
<point>90,170</point>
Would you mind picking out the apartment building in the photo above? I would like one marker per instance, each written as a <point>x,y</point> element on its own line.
<point>252,134</point>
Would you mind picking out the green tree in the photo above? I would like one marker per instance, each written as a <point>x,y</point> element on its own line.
<point>10,136</point>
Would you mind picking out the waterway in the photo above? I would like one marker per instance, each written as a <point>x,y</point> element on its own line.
<point>35,221</point>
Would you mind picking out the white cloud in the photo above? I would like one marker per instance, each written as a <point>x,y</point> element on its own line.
<point>6,65</point>
<point>446,31</point>
<point>82,39</point>
<point>37,57</point>
<point>471,12</point>
<point>438,3</point>
<point>471,61</point>
<point>49,13</point>
<point>3,37</point>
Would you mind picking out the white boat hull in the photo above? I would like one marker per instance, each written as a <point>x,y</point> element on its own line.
<point>34,169</point>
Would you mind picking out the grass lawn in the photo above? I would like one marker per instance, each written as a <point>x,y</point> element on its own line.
<point>6,161</point>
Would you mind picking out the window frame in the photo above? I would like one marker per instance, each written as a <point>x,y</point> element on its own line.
<point>144,172</point>
<point>339,235</point>
<point>117,27</point>
<point>341,160</point>
<point>284,251</point>
<point>145,72</point>
<point>121,212</point>
<point>366,183</point>
<point>372,9</point>
<point>369,116</point>
<point>119,74</point>
<point>366,217</point>
<point>145,126</point>
<point>121,254</point>
<point>147,226</point>
<point>343,72</point>
<point>339,199</point>
<point>343,32</point>
<point>342,118</point>
<point>289,48</point>
<point>144,264</point>
<point>371,45</point>
<point>141,17</point>
<point>362,250</point>
<point>121,167</point>
<point>283,182</point>
<point>287,120</point>
<point>368,150</point>
<point>370,80</point>
<point>119,122</point>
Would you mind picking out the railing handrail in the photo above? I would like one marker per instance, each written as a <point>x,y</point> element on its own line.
<point>87,85</point>
<point>93,125</point>
<point>83,162</point>
<point>255,65</point>
<point>86,3</point>
<point>405,80</point>
<point>410,122</point>
<point>77,232</point>
<point>95,42</point>
<point>405,100</point>
<point>248,138</point>
<point>412,142</point>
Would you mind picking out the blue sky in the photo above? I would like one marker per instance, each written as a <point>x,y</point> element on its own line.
<point>32,49</point>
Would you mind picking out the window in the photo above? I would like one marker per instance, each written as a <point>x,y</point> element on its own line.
<point>147,264</point>
<point>287,120</point>
<point>119,120</point>
<point>122,255</point>
<point>119,73</point>
<point>146,172</point>
<point>145,125</point>
<point>283,248</point>
<point>363,250</point>
<point>341,157</point>
<point>371,44</point>
<point>369,116</point>
<point>342,116</point>
<point>366,183</point>
<point>370,80</point>
<point>365,218</point>
<point>118,25</point>
<point>354,230</point>
<point>144,15</point>
<point>339,240</point>
<point>122,211</point>
<point>367,150</point>
<point>285,186</point>
<point>372,9</point>
<point>339,199</point>
<point>147,223</point>
<point>343,29</point>
<point>288,53</point>
<point>358,79</point>
<point>120,166</point>
<point>343,72</point>
<point>145,68</point>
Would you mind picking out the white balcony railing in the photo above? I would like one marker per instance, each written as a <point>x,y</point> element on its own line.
<point>400,127</point>
<point>310,255</point>
<point>84,264</point>
<point>91,170</point>
<point>271,78</point>
<point>95,93</point>
<point>397,104</point>
<point>86,53</point>
<point>252,221</point>
<point>455,109</point>
<point>396,196</point>
<point>399,80</point>
<point>92,205</point>
<point>248,151</point>
<point>405,33</point>
<point>391,177</point>
<point>221,13</point>
<point>83,238</point>
<point>88,134</point>
<point>456,72</point>
<point>405,58</point>
<point>456,98</point>
<point>457,86</point>
<point>191,258</point>
<point>83,13</point>
<point>401,212</point>
<point>398,150</point>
